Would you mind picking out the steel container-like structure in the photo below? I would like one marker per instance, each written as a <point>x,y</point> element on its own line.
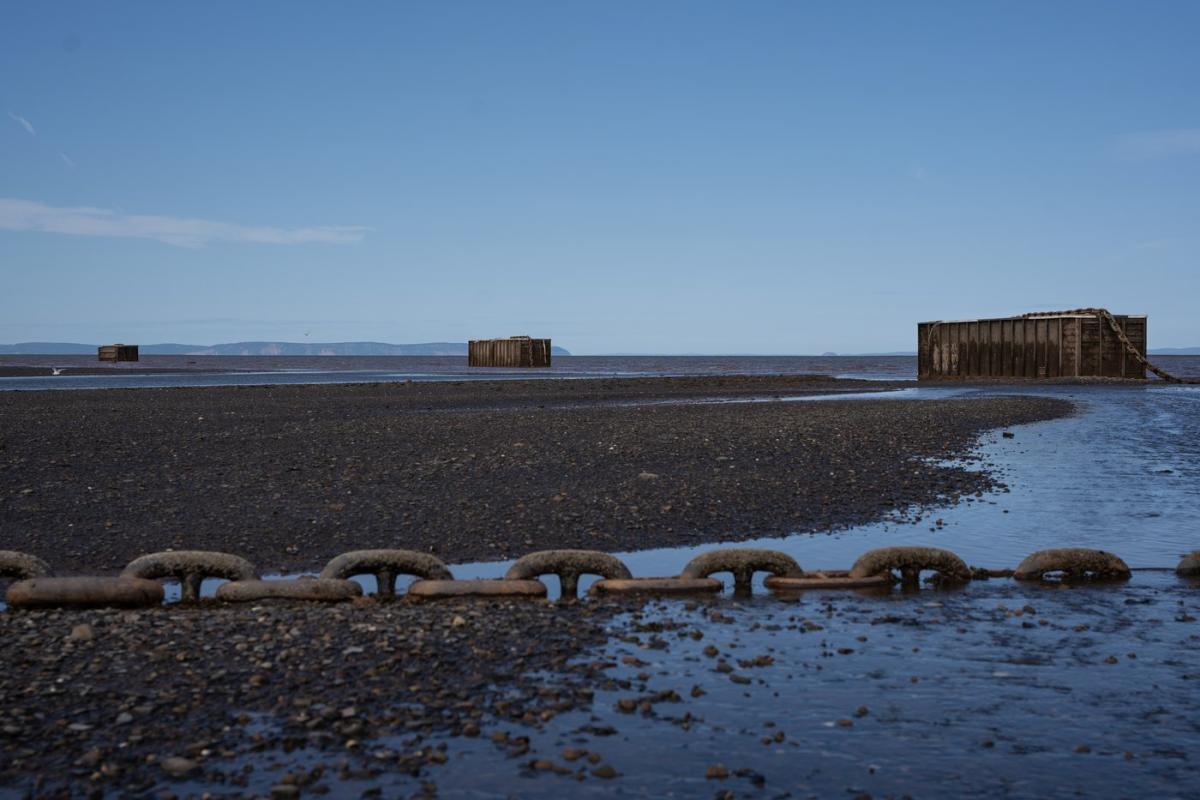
<point>118,352</point>
<point>515,351</point>
<point>1055,345</point>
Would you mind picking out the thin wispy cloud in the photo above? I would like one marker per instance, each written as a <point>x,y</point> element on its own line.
<point>26,215</point>
<point>67,160</point>
<point>1160,144</point>
<point>24,123</point>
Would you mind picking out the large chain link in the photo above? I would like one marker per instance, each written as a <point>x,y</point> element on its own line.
<point>874,569</point>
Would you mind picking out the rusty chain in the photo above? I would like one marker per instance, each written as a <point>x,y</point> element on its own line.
<point>880,569</point>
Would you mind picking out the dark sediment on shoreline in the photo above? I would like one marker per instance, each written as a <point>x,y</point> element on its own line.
<point>995,689</point>
<point>289,476</point>
<point>184,696</point>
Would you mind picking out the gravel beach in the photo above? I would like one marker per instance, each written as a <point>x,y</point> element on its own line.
<point>96,701</point>
<point>289,476</point>
<point>485,698</point>
<point>996,689</point>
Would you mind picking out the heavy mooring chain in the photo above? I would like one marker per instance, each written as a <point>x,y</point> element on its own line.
<point>139,585</point>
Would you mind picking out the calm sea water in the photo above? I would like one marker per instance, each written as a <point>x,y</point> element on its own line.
<point>252,370</point>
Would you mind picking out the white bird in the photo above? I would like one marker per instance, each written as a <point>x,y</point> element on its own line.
<point>56,370</point>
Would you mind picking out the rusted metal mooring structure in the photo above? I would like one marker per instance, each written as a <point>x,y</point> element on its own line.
<point>515,351</point>
<point>118,352</point>
<point>1084,342</point>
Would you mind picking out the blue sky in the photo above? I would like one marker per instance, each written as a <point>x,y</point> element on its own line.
<point>658,177</point>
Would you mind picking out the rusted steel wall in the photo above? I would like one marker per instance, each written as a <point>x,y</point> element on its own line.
<point>118,352</point>
<point>1059,346</point>
<point>516,351</point>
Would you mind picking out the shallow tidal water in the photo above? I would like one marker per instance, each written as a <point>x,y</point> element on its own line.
<point>176,371</point>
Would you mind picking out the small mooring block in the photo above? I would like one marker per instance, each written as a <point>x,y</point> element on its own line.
<point>118,352</point>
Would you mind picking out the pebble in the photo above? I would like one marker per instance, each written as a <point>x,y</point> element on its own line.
<point>178,767</point>
<point>716,771</point>
<point>82,633</point>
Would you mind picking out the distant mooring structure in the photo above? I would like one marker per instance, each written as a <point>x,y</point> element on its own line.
<point>1084,342</point>
<point>118,352</point>
<point>515,351</point>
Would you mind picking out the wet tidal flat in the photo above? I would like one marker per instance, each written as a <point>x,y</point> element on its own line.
<point>292,476</point>
<point>995,689</point>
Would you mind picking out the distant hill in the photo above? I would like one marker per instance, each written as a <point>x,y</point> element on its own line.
<point>258,349</point>
<point>1174,351</point>
<point>47,349</point>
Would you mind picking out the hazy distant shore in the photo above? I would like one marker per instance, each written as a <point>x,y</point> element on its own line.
<point>290,476</point>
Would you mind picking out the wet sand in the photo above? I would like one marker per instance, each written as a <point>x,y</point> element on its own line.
<point>290,476</point>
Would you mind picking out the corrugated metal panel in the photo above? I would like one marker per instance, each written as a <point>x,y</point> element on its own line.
<point>515,351</point>
<point>118,352</point>
<point>1032,346</point>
